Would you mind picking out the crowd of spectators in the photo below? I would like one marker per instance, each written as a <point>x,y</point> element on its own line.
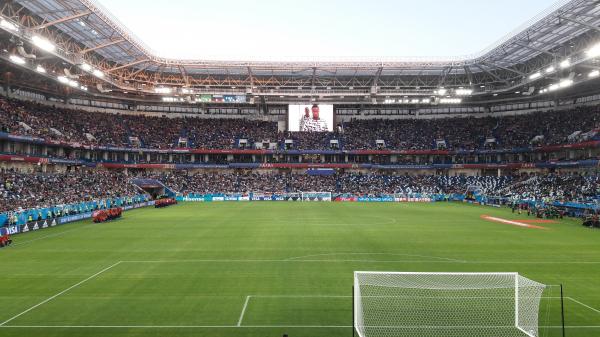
<point>572,187</point>
<point>51,123</point>
<point>33,190</point>
<point>473,133</point>
<point>577,188</point>
<point>430,184</point>
<point>540,128</point>
<point>245,182</point>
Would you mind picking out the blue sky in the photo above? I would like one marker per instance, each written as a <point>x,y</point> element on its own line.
<point>321,29</point>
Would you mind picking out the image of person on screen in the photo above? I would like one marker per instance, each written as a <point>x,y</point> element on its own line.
<point>314,124</point>
<point>306,118</point>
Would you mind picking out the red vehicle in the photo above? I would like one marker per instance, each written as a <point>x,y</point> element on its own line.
<point>5,240</point>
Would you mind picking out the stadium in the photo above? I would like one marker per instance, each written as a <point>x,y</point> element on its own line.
<point>312,196</point>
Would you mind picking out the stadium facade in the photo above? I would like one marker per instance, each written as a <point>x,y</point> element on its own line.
<point>82,92</point>
<point>93,123</point>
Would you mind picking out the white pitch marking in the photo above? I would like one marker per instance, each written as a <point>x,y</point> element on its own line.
<point>21,243</point>
<point>176,326</point>
<point>534,262</point>
<point>302,296</point>
<point>391,254</point>
<point>241,315</point>
<point>238,327</point>
<point>285,260</point>
<point>383,296</point>
<point>370,261</point>
<point>585,305</point>
<point>60,293</point>
<point>243,310</point>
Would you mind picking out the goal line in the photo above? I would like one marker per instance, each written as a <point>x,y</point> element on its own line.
<point>583,327</point>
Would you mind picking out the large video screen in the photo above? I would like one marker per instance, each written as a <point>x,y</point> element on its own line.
<point>310,118</point>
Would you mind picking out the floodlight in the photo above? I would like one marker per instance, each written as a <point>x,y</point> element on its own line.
<point>86,67</point>
<point>63,79</point>
<point>98,73</point>
<point>40,69</point>
<point>450,100</point>
<point>594,73</point>
<point>9,25</point>
<point>172,99</point>
<point>550,69</point>
<point>535,76</point>
<point>565,64</point>
<point>565,83</point>
<point>162,90</point>
<point>463,92</point>
<point>17,59</point>
<point>594,51</point>
<point>43,44</point>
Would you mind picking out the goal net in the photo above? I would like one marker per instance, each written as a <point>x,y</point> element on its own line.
<point>316,196</point>
<point>446,304</point>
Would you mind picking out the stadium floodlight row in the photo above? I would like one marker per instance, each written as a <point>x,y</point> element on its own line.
<point>108,59</point>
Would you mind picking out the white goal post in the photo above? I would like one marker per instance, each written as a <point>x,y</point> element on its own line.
<point>316,196</point>
<point>405,304</point>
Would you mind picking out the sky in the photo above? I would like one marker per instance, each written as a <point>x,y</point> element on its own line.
<point>321,29</point>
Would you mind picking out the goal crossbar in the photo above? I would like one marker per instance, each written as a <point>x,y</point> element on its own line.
<point>427,273</point>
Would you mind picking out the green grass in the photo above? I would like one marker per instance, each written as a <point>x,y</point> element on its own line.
<point>188,270</point>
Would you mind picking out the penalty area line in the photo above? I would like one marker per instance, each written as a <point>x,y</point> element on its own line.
<point>288,261</point>
<point>243,310</point>
<point>67,231</point>
<point>583,304</point>
<point>365,261</point>
<point>435,258</point>
<point>58,294</point>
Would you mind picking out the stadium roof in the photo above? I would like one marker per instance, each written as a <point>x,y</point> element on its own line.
<point>85,32</point>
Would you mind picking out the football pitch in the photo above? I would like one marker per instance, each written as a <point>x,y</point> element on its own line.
<point>269,268</point>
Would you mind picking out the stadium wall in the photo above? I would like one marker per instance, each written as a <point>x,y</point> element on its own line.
<point>40,218</point>
<point>425,169</point>
<point>33,226</point>
<point>498,109</point>
<point>572,209</point>
<point>123,110</point>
